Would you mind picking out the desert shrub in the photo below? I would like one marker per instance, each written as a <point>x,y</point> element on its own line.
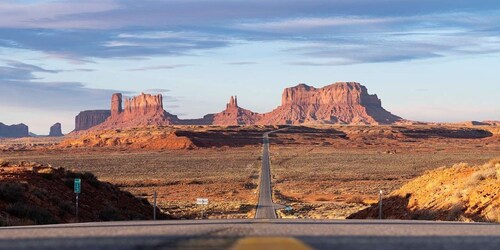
<point>475,178</point>
<point>424,215</point>
<point>47,173</point>
<point>455,212</point>
<point>110,213</point>
<point>64,205</point>
<point>36,214</point>
<point>69,183</point>
<point>48,176</point>
<point>355,199</point>
<point>171,183</point>
<point>137,216</point>
<point>3,163</point>
<point>250,185</point>
<point>145,201</point>
<point>493,215</point>
<point>321,199</point>
<point>3,223</point>
<point>11,191</point>
<point>195,182</point>
<point>39,193</point>
<point>91,179</point>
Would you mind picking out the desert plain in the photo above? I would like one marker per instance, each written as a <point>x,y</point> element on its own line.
<point>320,171</point>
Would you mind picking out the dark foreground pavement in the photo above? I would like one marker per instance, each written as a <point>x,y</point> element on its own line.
<point>255,234</point>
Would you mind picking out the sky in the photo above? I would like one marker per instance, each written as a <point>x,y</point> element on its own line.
<point>427,60</point>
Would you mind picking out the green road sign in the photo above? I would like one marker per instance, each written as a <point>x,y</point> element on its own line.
<point>78,186</point>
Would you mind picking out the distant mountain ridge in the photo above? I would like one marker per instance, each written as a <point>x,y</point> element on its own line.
<point>338,103</point>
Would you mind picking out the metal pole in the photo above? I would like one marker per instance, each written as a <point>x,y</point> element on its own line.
<point>380,205</point>
<point>76,207</point>
<point>154,211</point>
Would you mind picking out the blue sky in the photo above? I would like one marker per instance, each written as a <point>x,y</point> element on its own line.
<point>427,60</point>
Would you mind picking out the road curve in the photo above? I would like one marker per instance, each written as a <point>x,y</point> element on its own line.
<point>265,206</point>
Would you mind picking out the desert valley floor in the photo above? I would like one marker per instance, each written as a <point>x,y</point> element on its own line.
<point>321,171</point>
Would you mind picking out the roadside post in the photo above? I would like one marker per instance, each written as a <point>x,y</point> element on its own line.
<point>380,205</point>
<point>78,190</point>
<point>203,202</point>
<point>154,207</point>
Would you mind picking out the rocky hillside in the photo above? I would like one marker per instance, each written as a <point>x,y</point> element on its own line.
<point>143,138</point>
<point>32,193</point>
<point>461,192</point>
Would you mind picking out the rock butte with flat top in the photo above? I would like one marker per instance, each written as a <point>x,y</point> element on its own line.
<point>56,130</point>
<point>338,103</point>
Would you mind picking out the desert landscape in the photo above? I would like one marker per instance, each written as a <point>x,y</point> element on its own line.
<point>321,172</point>
<point>209,124</point>
<point>321,167</point>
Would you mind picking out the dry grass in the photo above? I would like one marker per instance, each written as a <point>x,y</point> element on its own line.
<point>326,172</point>
<point>227,177</point>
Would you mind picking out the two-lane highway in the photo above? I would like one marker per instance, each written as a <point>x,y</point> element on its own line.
<point>265,206</point>
<point>255,234</point>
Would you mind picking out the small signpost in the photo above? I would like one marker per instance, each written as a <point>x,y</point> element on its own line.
<point>380,205</point>
<point>202,202</point>
<point>154,206</point>
<point>78,190</point>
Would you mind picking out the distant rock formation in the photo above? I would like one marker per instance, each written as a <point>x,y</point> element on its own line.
<point>116,104</point>
<point>342,102</point>
<point>90,118</point>
<point>234,115</point>
<point>142,110</point>
<point>14,131</point>
<point>338,103</point>
<point>56,130</point>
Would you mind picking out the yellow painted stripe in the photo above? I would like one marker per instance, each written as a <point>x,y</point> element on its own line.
<point>262,243</point>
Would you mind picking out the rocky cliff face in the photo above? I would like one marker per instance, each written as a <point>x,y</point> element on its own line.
<point>19,130</point>
<point>343,102</point>
<point>56,130</point>
<point>338,103</point>
<point>142,110</point>
<point>90,118</point>
<point>234,115</point>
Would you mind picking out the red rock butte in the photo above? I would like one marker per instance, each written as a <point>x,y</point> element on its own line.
<point>338,103</point>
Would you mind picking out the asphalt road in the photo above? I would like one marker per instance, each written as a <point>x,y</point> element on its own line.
<point>265,206</point>
<point>227,234</point>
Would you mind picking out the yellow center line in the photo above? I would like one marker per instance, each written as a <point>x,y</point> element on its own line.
<point>278,243</point>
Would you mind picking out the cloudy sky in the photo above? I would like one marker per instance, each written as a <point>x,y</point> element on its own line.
<point>427,60</point>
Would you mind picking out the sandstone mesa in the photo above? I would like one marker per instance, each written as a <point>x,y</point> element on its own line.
<point>338,103</point>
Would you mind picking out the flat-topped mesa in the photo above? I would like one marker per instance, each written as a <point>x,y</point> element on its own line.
<point>14,131</point>
<point>143,104</point>
<point>342,93</point>
<point>90,118</point>
<point>138,111</point>
<point>342,102</point>
<point>56,130</point>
